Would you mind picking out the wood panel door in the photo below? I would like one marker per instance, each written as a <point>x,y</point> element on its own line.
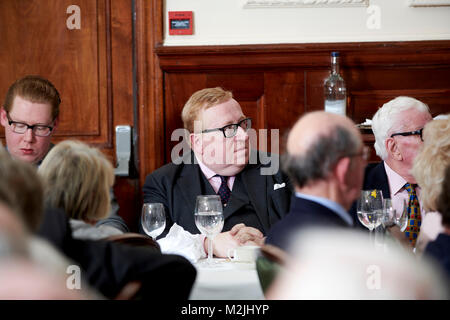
<point>85,48</point>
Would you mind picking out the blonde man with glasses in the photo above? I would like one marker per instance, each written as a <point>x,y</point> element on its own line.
<point>218,163</point>
<point>30,118</point>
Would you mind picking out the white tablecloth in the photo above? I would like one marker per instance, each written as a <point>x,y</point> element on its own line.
<point>229,281</point>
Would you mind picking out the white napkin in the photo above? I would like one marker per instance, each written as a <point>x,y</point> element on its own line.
<point>179,241</point>
<point>368,122</point>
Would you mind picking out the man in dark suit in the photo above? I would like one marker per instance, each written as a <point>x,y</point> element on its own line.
<point>325,160</point>
<point>254,195</point>
<point>397,127</point>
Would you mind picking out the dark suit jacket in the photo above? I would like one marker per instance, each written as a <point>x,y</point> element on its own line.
<point>375,177</point>
<point>178,185</point>
<point>439,250</point>
<point>108,266</point>
<point>302,214</point>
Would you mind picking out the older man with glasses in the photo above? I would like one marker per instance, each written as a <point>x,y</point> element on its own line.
<point>397,127</point>
<point>218,163</point>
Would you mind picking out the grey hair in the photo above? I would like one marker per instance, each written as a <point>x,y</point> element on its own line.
<point>386,120</point>
<point>321,157</point>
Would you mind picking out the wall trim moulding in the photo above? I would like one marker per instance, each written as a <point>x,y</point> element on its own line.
<point>429,3</point>
<point>305,3</point>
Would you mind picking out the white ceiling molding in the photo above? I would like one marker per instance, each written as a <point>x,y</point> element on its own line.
<point>305,3</point>
<point>429,3</point>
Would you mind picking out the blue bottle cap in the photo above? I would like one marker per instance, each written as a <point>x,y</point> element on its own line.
<point>335,54</point>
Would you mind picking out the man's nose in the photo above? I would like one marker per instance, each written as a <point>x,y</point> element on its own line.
<point>241,133</point>
<point>28,135</point>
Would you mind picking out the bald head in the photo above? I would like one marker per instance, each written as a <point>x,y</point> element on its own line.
<point>315,145</point>
<point>312,127</point>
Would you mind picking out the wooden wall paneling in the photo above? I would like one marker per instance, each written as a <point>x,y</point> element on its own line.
<point>285,101</point>
<point>62,57</point>
<point>314,89</point>
<point>374,72</point>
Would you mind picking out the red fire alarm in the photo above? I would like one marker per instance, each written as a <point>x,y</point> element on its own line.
<point>180,22</point>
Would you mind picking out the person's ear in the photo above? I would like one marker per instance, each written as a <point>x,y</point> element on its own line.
<point>55,124</point>
<point>342,170</point>
<point>3,118</point>
<point>392,149</point>
<point>196,143</point>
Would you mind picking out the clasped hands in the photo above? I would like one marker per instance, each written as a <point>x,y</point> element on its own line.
<point>239,235</point>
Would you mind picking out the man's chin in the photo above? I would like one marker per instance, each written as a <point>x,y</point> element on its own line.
<point>230,170</point>
<point>33,159</point>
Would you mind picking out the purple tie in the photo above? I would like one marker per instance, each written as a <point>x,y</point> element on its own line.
<point>224,192</point>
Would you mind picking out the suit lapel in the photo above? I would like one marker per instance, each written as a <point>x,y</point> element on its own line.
<point>378,180</point>
<point>190,185</point>
<point>256,187</point>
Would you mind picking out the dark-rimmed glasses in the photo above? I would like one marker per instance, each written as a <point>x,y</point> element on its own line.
<point>409,133</point>
<point>230,130</point>
<point>39,130</point>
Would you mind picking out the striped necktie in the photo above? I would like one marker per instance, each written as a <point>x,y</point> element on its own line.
<point>414,217</point>
<point>224,192</point>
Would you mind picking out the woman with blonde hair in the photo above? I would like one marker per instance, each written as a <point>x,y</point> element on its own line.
<point>429,171</point>
<point>78,179</point>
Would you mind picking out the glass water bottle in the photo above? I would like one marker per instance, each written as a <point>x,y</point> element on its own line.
<point>335,93</point>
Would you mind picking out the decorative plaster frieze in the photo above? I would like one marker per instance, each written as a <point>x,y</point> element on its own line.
<point>305,3</point>
<point>429,3</point>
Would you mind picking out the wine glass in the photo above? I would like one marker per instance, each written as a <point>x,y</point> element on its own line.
<point>369,209</point>
<point>153,219</point>
<point>389,214</point>
<point>209,219</point>
<point>401,218</point>
<point>395,215</point>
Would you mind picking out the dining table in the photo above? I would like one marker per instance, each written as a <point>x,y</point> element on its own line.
<point>226,280</point>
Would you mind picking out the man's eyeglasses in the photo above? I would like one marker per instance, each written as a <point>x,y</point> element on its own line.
<point>410,133</point>
<point>230,130</point>
<point>38,129</point>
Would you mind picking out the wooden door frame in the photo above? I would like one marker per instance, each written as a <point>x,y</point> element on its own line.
<point>148,37</point>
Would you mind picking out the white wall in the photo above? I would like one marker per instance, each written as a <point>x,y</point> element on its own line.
<point>222,22</point>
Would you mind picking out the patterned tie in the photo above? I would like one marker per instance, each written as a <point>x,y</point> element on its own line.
<point>224,192</point>
<point>414,218</point>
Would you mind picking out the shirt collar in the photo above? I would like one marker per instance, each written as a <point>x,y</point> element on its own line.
<point>333,206</point>
<point>396,181</point>
<point>206,171</point>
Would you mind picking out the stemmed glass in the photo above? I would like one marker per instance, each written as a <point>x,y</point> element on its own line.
<point>395,215</point>
<point>153,219</point>
<point>209,219</point>
<point>369,208</point>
